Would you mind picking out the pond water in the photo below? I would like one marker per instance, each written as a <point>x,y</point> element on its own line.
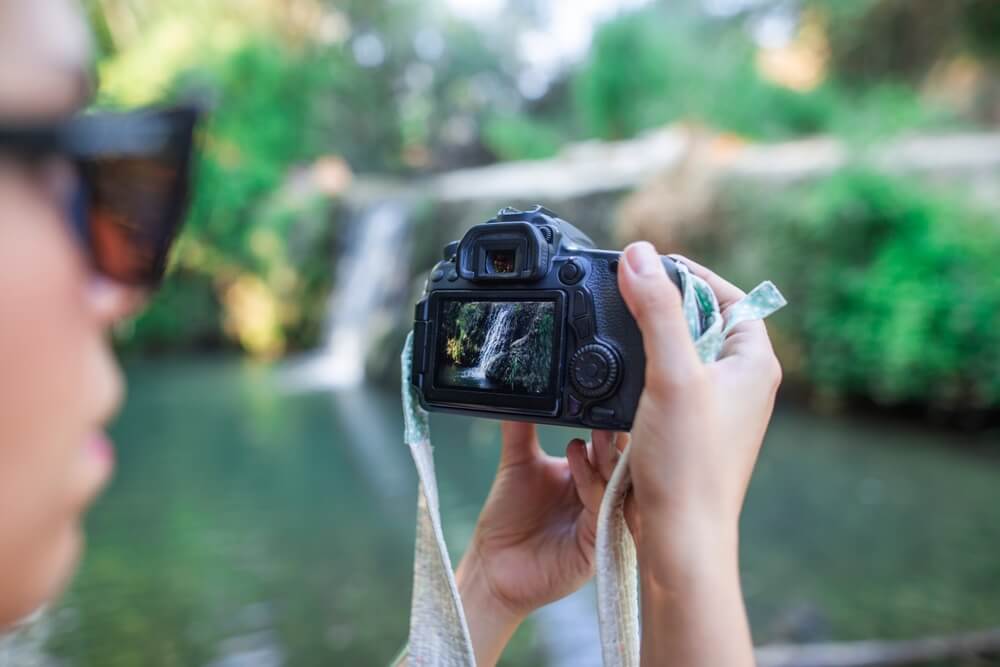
<point>465,378</point>
<point>248,526</point>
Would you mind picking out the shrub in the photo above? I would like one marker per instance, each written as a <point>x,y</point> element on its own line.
<point>654,67</point>
<point>894,291</point>
<point>650,68</point>
<point>515,137</point>
<point>253,266</point>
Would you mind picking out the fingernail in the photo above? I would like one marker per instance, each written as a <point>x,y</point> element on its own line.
<point>642,258</point>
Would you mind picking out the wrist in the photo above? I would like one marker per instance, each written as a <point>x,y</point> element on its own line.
<point>685,519</point>
<point>691,596</point>
<point>685,547</point>
<point>491,622</point>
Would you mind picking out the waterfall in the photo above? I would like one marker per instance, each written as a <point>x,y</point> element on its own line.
<point>372,269</point>
<point>497,336</point>
<point>495,344</point>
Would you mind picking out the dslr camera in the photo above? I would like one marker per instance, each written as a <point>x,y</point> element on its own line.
<point>523,320</point>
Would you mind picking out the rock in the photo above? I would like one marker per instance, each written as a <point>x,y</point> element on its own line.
<point>528,362</point>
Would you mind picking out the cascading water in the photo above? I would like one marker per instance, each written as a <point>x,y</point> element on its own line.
<point>370,271</point>
<point>496,341</point>
<point>496,336</point>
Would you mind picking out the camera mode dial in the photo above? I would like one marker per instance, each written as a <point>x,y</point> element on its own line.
<point>594,370</point>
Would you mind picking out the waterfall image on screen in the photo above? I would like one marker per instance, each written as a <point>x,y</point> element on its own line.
<point>496,346</point>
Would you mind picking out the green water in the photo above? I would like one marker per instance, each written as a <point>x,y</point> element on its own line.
<point>247,521</point>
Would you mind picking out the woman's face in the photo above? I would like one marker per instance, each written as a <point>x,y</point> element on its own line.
<point>59,384</point>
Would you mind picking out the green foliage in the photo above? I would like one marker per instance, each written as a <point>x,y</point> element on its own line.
<point>903,40</point>
<point>881,111</point>
<point>464,329</point>
<point>658,66</point>
<point>529,364</point>
<point>873,40</point>
<point>185,313</point>
<point>516,137</point>
<point>240,225</point>
<point>623,88</point>
<point>647,69</point>
<point>981,22</point>
<point>248,146</point>
<point>894,291</point>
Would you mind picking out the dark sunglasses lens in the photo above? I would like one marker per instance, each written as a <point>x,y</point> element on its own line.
<point>136,204</point>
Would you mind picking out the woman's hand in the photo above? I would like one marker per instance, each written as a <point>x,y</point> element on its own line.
<point>534,542</point>
<point>695,440</point>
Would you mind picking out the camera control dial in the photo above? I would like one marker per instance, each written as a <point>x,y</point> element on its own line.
<point>571,272</point>
<point>594,370</point>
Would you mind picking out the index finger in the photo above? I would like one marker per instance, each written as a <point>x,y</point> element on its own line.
<point>519,443</point>
<point>748,340</point>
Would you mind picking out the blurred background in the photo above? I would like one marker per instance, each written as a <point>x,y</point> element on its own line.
<point>849,150</point>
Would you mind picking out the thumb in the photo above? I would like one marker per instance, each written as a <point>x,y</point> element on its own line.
<point>655,303</point>
<point>520,443</point>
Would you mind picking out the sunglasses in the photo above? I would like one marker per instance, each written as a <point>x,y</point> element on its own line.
<point>131,195</point>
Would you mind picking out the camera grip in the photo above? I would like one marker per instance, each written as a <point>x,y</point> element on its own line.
<point>671,266</point>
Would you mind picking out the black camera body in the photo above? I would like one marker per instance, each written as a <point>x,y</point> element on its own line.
<point>523,320</point>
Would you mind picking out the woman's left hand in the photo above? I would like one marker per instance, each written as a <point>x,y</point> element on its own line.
<point>534,542</point>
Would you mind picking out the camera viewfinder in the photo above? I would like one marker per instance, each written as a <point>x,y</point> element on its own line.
<point>501,261</point>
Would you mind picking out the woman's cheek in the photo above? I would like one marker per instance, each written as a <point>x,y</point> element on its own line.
<point>35,583</point>
<point>39,535</point>
<point>57,386</point>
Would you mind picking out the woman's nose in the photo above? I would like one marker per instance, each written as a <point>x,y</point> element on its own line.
<point>112,301</point>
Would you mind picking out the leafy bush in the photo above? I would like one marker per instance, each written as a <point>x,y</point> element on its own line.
<point>880,111</point>
<point>528,365</point>
<point>652,67</point>
<point>254,263</point>
<point>515,137</point>
<point>648,69</point>
<point>873,40</point>
<point>894,291</point>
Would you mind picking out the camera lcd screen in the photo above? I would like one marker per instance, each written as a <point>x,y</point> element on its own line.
<point>496,346</point>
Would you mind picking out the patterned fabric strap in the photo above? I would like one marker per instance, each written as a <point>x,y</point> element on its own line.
<point>439,632</point>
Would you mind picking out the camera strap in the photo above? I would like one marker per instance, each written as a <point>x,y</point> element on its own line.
<point>439,632</point>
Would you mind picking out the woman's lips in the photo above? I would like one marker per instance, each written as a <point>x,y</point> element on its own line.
<point>100,448</point>
<point>94,470</point>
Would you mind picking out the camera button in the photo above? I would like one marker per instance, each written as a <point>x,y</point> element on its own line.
<point>594,370</point>
<point>437,276</point>
<point>573,406</point>
<point>583,327</point>
<point>419,347</point>
<point>571,272</point>
<point>581,303</point>
<point>452,276</point>
<point>591,372</point>
<point>602,415</point>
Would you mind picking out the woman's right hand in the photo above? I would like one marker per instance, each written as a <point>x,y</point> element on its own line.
<point>695,440</point>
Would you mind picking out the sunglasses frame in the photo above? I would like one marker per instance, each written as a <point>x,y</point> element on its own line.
<point>87,139</point>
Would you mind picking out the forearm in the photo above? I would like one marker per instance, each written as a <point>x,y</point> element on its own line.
<point>692,604</point>
<point>491,625</point>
